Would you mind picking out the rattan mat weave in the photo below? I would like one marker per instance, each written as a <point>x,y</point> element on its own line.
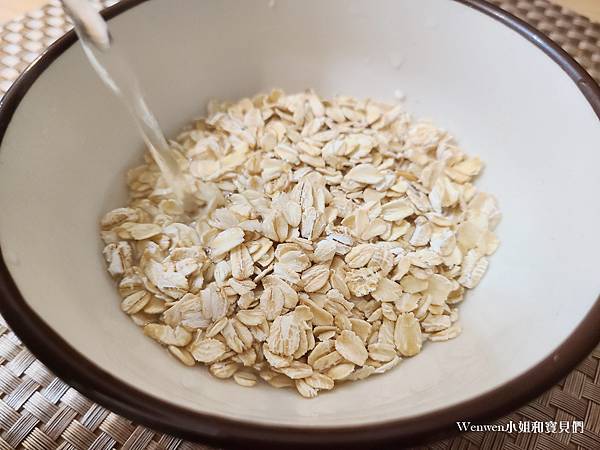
<point>40,412</point>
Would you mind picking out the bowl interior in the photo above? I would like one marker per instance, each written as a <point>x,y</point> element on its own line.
<point>64,154</point>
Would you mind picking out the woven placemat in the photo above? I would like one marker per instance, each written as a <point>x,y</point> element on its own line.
<point>40,412</point>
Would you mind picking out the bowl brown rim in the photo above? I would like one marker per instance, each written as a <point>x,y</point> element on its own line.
<point>118,396</point>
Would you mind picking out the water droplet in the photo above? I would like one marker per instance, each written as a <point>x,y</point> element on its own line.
<point>189,380</point>
<point>396,60</point>
<point>11,258</point>
<point>431,24</point>
<point>399,95</point>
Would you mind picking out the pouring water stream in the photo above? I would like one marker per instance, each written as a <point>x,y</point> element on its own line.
<point>117,74</point>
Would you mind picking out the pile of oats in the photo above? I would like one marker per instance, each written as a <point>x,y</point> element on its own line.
<point>332,238</point>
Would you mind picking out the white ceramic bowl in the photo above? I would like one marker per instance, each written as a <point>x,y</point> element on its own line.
<point>504,90</point>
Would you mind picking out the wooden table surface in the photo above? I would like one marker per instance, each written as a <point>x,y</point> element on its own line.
<point>13,8</point>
